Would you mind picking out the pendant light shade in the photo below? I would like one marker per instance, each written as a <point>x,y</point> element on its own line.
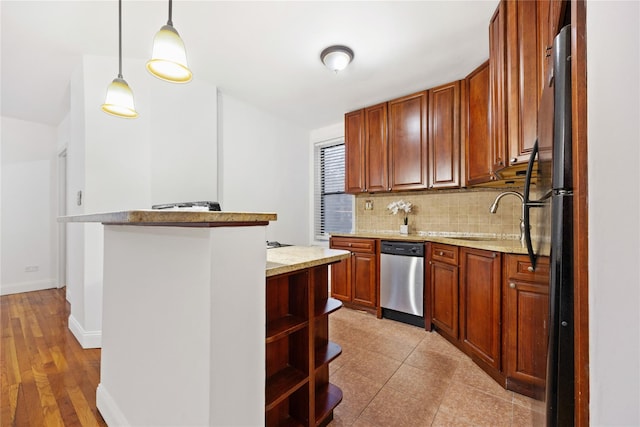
<point>119,98</point>
<point>169,57</point>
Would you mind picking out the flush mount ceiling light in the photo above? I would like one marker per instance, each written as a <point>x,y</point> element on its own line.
<point>336,58</point>
<point>169,58</point>
<point>119,98</point>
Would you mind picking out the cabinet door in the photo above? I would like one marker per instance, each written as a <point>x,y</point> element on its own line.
<point>476,132</point>
<point>550,13</point>
<point>364,278</point>
<point>444,136</point>
<point>377,166</point>
<point>524,67</point>
<point>526,313</point>
<point>444,297</point>
<point>354,152</point>
<point>341,280</point>
<point>408,142</point>
<point>480,304</point>
<point>497,88</point>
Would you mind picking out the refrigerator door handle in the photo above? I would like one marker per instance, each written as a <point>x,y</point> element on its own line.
<point>528,204</point>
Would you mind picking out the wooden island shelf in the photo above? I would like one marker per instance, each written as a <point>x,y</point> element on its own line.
<point>298,350</point>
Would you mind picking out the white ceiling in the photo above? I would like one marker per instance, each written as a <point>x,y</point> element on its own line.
<point>265,53</point>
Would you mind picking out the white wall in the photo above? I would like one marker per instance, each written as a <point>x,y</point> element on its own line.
<point>167,154</point>
<point>28,228</point>
<point>264,168</point>
<point>613,70</point>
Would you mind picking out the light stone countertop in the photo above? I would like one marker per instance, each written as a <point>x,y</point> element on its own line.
<point>168,217</point>
<point>508,245</point>
<point>293,258</point>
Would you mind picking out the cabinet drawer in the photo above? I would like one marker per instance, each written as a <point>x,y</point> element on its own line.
<point>353,244</point>
<point>444,253</point>
<point>517,268</point>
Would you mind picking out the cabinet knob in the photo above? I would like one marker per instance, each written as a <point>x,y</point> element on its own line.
<point>441,253</point>
<point>515,159</point>
<point>512,285</point>
<point>350,244</point>
<point>389,189</point>
<point>501,163</point>
<point>531,269</point>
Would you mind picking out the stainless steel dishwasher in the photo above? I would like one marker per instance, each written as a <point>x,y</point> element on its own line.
<point>402,281</point>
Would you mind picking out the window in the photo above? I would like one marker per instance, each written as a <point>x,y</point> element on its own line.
<point>333,209</point>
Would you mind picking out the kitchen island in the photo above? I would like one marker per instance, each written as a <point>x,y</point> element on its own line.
<point>184,315</point>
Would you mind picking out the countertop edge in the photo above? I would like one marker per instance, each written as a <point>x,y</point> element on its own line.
<point>171,217</point>
<point>329,256</point>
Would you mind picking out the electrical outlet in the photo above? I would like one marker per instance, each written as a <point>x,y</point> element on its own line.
<point>368,205</point>
<point>31,268</point>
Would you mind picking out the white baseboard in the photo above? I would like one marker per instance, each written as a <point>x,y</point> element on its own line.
<point>109,408</point>
<point>87,339</point>
<point>16,288</point>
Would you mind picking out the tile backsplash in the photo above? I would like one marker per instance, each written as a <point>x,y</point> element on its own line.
<point>452,211</point>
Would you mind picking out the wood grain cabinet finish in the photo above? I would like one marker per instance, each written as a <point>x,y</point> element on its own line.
<point>524,76</point>
<point>354,280</point>
<point>475,132</point>
<point>298,349</point>
<point>497,88</point>
<point>444,136</point>
<point>354,152</point>
<point>480,307</point>
<point>408,142</point>
<point>376,152</point>
<point>442,288</point>
<point>525,329</point>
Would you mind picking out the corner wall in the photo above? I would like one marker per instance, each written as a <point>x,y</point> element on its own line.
<point>28,226</point>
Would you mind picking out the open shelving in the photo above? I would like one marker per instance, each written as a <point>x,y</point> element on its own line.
<point>298,349</point>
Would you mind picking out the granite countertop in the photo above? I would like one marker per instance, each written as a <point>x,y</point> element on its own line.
<point>293,258</point>
<point>478,241</point>
<point>173,218</point>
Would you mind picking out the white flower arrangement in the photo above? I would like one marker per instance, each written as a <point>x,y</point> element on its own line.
<point>398,206</point>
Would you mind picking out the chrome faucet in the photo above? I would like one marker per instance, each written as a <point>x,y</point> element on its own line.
<point>494,208</point>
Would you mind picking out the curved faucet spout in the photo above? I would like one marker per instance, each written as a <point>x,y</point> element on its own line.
<point>494,208</point>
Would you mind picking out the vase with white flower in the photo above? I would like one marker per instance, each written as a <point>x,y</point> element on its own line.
<point>401,207</point>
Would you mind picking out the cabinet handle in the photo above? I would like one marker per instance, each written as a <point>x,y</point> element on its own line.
<point>515,159</point>
<point>512,285</point>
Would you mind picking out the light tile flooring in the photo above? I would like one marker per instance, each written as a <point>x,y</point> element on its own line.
<point>393,374</point>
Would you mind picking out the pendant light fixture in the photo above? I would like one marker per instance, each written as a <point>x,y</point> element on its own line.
<point>169,58</point>
<point>119,99</point>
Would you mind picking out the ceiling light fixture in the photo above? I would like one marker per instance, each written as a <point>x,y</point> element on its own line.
<point>169,58</point>
<point>119,98</point>
<point>336,58</point>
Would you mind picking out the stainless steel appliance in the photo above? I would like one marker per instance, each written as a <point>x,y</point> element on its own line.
<point>402,281</point>
<point>555,185</point>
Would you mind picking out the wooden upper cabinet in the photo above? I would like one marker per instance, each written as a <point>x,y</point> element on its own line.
<point>408,142</point>
<point>376,164</point>
<point>444,136</point>
<point>524,80</point>
<point>475,131</point>
<point>354,152</point>
<point>497,88</point>
<point>550,14</point>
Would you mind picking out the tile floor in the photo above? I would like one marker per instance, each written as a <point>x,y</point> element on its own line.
<point>393,374</point>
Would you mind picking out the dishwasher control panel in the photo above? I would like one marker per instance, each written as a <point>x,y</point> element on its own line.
<point>402,248</point>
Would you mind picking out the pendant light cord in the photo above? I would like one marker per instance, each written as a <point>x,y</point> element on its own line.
<point>119,39</point>
<point>170,22</point>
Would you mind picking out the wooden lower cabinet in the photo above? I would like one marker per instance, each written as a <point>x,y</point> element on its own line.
<point>354,280</point>
<point>480,300</point>
<point>526,313</point>
<point>298,349</point>
<point>442,284</point>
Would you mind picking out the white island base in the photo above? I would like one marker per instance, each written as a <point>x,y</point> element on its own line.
<point>183,326</point>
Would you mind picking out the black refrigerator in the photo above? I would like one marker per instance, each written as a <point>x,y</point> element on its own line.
<point>554,198</point>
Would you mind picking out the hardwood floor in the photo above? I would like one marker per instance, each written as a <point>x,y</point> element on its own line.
<point>46,378</point>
